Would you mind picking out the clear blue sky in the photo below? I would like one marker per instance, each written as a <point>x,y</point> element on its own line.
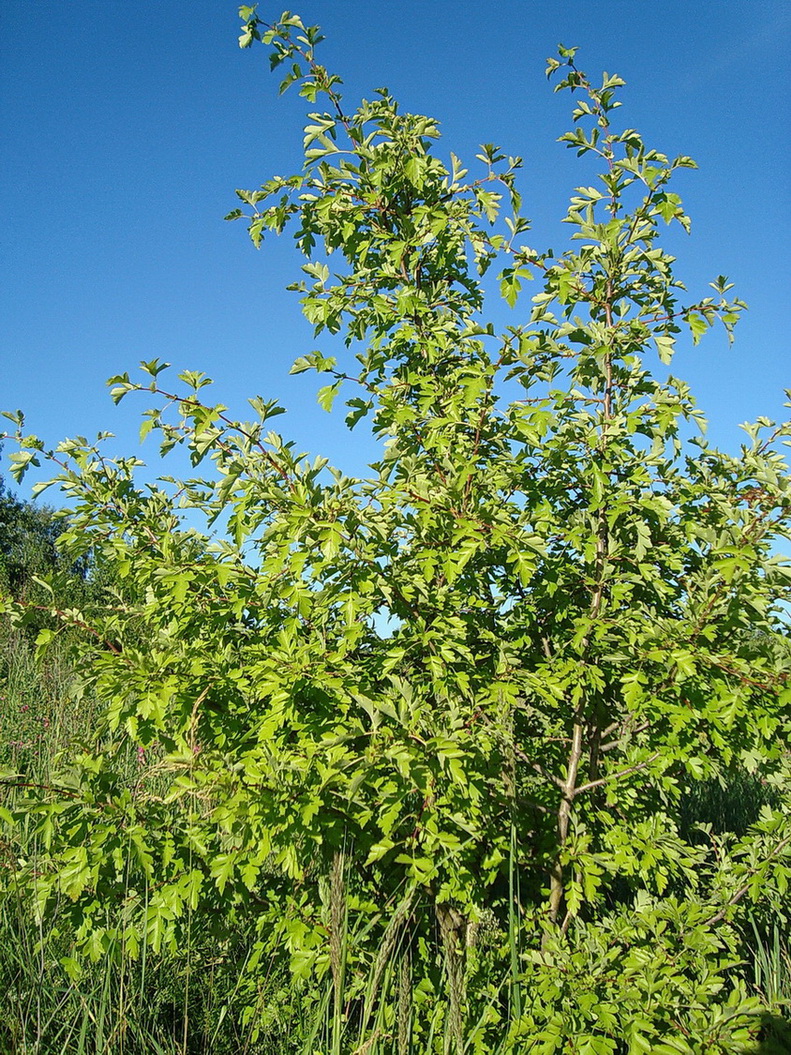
<point>126,127</point>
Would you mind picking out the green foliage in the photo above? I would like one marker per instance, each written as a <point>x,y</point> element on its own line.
<point>34,572</point>
<point>27,543</point>
<point>430,730</point>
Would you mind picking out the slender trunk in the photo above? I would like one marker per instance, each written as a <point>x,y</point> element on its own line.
<point>577,748</point>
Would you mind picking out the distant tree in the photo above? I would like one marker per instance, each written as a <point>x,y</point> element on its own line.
<point>27,542</point>
<point>34,572</point>
<point>432,728</point>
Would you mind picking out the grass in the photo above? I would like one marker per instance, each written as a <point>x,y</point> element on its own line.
<point>771,959</point>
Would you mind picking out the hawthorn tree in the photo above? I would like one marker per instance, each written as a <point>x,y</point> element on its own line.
<point>432,729</point>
